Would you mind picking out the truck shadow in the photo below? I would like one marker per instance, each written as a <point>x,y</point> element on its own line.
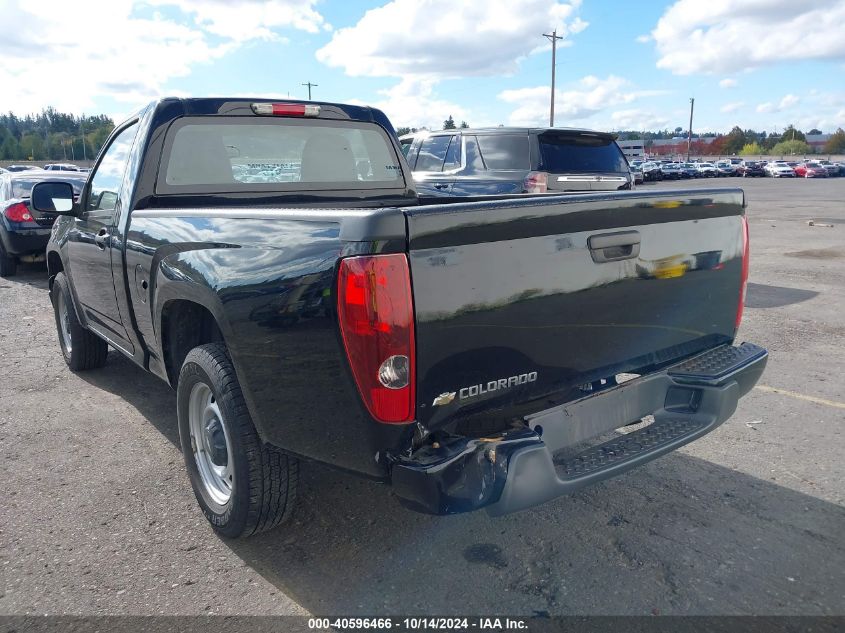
<point>680,535</point>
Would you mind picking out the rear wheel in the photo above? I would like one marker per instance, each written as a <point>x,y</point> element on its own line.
<point>8,264</point>
<point>81,349</point>
<point>243,485</point>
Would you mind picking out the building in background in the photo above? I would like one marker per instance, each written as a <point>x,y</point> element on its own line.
<point>633,150</point>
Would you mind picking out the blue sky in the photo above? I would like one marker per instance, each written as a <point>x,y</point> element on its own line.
<point>762,64</point>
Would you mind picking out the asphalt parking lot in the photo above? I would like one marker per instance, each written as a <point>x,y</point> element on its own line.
<point>99,517</point>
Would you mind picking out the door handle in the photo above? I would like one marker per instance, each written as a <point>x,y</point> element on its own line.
<point>100,239</point>
<point>614,247</point>
<point>441,186</point>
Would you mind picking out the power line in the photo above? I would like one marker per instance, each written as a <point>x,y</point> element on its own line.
<point>310,85</point>
<point>553,37</point>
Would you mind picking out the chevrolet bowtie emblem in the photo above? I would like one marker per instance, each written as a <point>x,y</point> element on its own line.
<point>444,398</point>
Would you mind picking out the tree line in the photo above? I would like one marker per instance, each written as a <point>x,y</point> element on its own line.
<point>52,135</point>
<point>750,142</point>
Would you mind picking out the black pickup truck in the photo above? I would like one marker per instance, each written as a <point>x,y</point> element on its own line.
<point>273,263</point>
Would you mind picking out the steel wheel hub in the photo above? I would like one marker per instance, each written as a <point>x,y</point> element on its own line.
<point>64,324</point>
<point>210,444</point>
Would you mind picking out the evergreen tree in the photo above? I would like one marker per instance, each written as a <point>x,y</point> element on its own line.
<point>50,134</point>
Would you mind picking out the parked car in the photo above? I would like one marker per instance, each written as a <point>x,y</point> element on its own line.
<point>706,170</point>
<point>652,171</point>
<point>24,232</point>
<point>672,171</point>
<point>751,169</point>
<point>725,168</point>
<point>338,317</point>
<point>61,167</point>
<point>690,170</point>
<point>833,169</point>
<point>637,173</point>
<point>810,169</point>
<point>779,169</point>
<point>506,160</point>
<point>23,168</point>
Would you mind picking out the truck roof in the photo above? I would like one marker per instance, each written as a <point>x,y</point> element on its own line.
<point>511,130</point>
<point>240,106</point>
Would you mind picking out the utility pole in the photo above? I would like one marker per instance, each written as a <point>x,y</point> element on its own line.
<point>553,37</point>
<point>689,136</point>
<point>310,85</point>
<point>82,129</point>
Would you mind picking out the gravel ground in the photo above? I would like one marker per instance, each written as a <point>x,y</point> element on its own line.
<point>100,518</point>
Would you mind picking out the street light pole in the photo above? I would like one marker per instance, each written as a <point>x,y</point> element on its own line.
<point>553,37</point>
<point>310,85</point>
<point>689,136</point>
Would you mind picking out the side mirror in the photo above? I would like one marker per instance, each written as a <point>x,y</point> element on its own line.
<point>52,197</point>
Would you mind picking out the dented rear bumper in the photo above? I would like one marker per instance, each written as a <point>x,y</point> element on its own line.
<point>549,457</point>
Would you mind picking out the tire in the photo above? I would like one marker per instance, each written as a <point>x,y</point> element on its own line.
<point>243,485</point>
<point>81,349</point>
<point>8,264</point>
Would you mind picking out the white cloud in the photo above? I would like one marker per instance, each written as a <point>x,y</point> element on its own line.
<point>68,55</point>
<point>636,119</point>
<point>730,35</point>
<point>728,83</point>
<point>590,96</point>
<point>785,103</point>
<point>249,19</point>
<point>438,39</point>
<point>732,107</point>
<point>413,103</point>
<point>643,39</point>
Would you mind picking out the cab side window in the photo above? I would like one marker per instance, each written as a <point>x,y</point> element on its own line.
<point>106,181</point>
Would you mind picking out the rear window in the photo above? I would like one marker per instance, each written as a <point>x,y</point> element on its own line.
<point>504,151</point>
<point>205,154</point>
<point>580,154</point>
<point>22,188</point>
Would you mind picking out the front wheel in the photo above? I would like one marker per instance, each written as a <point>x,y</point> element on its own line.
<point>243,485</point>
<point>81,349</point>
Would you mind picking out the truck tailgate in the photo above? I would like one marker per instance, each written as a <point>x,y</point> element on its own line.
<point>517,300</point>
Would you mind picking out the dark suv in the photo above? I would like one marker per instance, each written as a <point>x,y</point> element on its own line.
<point>507,160</point>
<point>751,168</point>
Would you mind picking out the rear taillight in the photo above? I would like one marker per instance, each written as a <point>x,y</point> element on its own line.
<point>286,109</point>
<point>744,282</point>
<point>536,182</point>
<point>376,317</point>
<point>18,212</point>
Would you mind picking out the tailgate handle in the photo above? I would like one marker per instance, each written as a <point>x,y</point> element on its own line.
<point>614,247</point>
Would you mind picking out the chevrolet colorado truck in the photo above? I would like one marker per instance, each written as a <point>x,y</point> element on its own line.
<point>273,263</point>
